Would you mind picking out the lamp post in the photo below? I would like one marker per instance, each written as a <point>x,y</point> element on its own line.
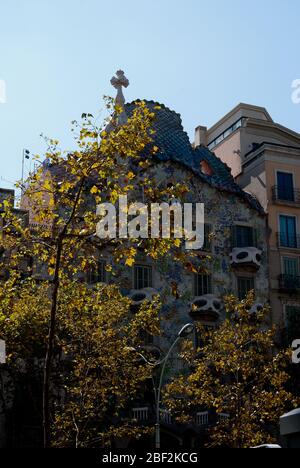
<point>26,155</point>
<point>185,331</point>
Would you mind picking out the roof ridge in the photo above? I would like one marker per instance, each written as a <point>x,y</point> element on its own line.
<point>163,106</point>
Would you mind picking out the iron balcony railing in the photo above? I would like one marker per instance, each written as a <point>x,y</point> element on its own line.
<point>289,282</point>
<point>145,415</point>
<point>166,417</point>
<point>202,419</point>
<point>289,241</point>
<point>140,414</point>
<point>286,195</point>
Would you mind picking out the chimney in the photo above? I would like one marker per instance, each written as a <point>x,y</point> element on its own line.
<point>200,136</point>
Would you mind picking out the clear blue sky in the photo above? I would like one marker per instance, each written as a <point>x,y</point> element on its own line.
<point>198,57</point>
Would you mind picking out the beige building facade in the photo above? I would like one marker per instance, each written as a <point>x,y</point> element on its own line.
<point>264,158</point>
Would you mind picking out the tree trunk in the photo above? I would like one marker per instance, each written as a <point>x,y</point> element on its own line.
<point>50,347</point>
<point>52,326</point>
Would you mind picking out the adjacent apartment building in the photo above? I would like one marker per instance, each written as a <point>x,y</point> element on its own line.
<point>264,158</point>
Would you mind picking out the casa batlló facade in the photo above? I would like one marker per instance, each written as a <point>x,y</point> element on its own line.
<point>234,255</point>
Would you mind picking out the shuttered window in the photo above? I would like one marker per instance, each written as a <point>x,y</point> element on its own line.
<point>203,285</point>
<point>291,266</point>
<point>245,285</point>
<point>97,274</point>
<point>244,236</point>
<point>142,277</point>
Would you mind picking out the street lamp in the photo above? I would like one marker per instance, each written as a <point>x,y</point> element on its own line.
<point>185,331</point>
<point>26,155</point>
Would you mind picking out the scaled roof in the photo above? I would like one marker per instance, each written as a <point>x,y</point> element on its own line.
<point>174,145</point>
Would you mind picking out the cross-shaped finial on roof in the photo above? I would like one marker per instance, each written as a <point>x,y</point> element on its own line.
<point>119,81</point>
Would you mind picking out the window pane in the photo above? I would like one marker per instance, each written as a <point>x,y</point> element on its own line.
<point>245,285</point>
<point>285,186</point>
<point>244,236</point>
<point>207,242</point>
<point>97,274</point>
<point>101,272</point>
<point>293,322</point>
<point>203,285</point>
<point>288,233</point>
<point>291,266</point>
<point>142,277</point>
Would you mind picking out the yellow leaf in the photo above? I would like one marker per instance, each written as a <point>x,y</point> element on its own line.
<point>130,175</point>
<point>130,261</point>
<point>94,189</point>
<point>47,185</point>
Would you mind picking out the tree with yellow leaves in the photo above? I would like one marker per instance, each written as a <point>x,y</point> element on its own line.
<point>95,376</point>
<point>238,376</point>
<point>61,198</point>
